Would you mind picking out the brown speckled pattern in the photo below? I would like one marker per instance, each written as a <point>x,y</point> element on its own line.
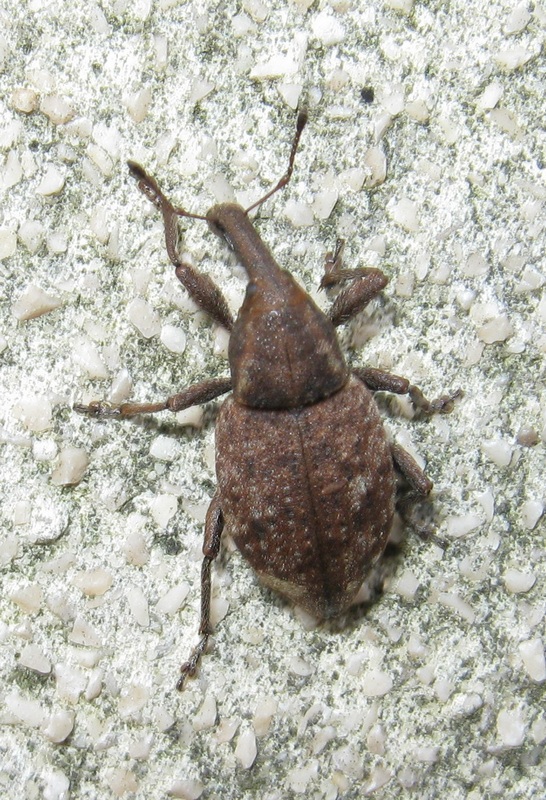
<point>308,494</point>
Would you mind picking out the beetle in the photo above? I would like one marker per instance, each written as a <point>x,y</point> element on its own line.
<point>306,474</point>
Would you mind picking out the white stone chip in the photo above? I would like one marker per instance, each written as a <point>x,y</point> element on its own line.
<point>71,681</point>
<point>427,755</point>
<point>518,19</point>
<point>32,234</point>
<point>376,162</point>
<point>172,601</point>
<point>33,302</point>
<point>121,782</point>
<point>513,57</point>
<point>324,203</point>
<point>24,99</point>
<point>57,242</point>
<point>94,684</point>
<point>403,6</point>
<point>29,712</point>
<point>57,109</point>
<point>8,243</point>
<point>34,658</point>
<point>263,715</point>
<point>290,93</point>
<point>136,549</point>
<point>299,214</point>
<point>138,605</point>
<point>406,585</point>
<point>163,508</point>
<point>145,319</point>
<point>52,182</point>
<point>71,466</point>
<point>206,715</point>
<point>12,171</point>
<point>463,525</point>
<point>298,666</point>
<point>376,683</point>
<point>498,451</point>
<point>405,214</point>
<point>459,605</point>
<point>349,761</point>
<point>353,178</point>
<point>100,158</point>
<point>256,9</point>
<point>190,789</point>
<point>534,661</point>
<point>84,633</point>
<point>246,749</point>
<point>517,581</point>
<point>490,96</point>
<point>164,448</point>
<point>327,28</point>
<point>133,699</point>
<point>59,726</point>
<point>93,582</point>
<point>276,67</point>
<point>418,110</point>
<point>200,88</point>
<point>56,785</point>
<point>531,512</point>
<point>174,338</point>
<point>35,413</point>
<point>511,727</point>
<point>28,598</point>
<point>138,104</point>
<point>506,120</point>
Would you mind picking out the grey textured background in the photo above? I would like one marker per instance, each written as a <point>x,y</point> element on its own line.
<point>426,689</point>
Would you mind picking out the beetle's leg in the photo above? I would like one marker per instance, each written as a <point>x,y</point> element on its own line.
<point>407,502</point>
<point>365,283</point>
<point>301,122</point>
<point>214,524</point>
<point>200,287</point>
<point>379,381</point>
<point>192,396</point>
<point>411,471</point>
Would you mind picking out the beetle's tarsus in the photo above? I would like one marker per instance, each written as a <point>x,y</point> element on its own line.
<point>439,405</point>
<point>189,668</point>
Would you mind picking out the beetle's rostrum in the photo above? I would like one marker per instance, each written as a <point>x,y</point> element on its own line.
<point>306,474</point>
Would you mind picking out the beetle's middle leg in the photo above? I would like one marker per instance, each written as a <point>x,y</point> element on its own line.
<point>364,284</point>
<point>377,380</point>
<point>200,287</point>
<point>214,525</point>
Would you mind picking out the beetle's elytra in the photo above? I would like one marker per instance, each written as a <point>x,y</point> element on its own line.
<point>306,474</point>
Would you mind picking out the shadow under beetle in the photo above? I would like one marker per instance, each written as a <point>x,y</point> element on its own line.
<point>306,474</point>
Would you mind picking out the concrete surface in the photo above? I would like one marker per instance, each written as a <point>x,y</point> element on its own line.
<point>436,688</point>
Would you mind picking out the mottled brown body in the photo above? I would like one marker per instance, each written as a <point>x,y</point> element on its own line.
<point>306,483</point>
<point>309,509</point>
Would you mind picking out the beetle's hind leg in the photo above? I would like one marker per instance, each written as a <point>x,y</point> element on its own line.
<point>200,287</point>
<point>363,284</point>
<point>214,525</point>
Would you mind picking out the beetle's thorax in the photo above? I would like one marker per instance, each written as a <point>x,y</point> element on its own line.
<point>283,350</point>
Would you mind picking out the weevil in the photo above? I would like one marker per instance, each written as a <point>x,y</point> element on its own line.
<point>306,476</point>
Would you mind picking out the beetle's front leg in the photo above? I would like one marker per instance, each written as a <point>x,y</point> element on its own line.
<point>214,525</point>
<point>379,381</point>
<point>192,396</point>
<point>200,287</point>
<point>364,284</point>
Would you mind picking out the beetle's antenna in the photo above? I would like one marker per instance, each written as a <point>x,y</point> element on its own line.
<point>150,189</point>
<point>301,122</point>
